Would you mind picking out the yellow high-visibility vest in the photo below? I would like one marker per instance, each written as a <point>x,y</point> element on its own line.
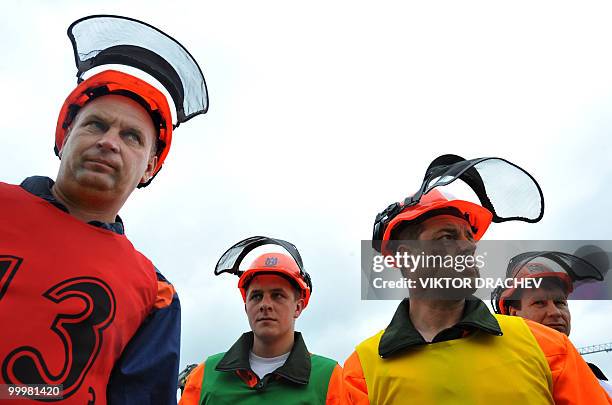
<point>478,369</point>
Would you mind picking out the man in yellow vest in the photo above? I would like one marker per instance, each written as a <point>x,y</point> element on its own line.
<point>449,349</point>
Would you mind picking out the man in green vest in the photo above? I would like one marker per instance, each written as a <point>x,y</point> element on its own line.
<point>270,364</point>
<point>444,346</point>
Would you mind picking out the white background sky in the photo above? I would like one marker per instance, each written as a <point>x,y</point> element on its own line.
<point>321,114</point>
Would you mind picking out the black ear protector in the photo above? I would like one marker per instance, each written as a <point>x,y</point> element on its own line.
<point>383,218</point>
<point>495,298</point>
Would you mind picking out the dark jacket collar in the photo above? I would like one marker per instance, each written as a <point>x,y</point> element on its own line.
<point>296,369</point>
<point>41,186</point>
<point>401,333</point>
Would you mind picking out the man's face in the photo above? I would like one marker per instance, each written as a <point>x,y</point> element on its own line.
<point>547,306</point>
<point>272,307</point>
<point>108,147</point>
<point>447,227</point>
<point>450,237</point>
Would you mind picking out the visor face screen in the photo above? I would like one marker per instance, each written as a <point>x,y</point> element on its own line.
<point>234,256</point>
<point>511,191</point>
<point>122,38</point>
<point>439,181</point>
<point>578,268</point>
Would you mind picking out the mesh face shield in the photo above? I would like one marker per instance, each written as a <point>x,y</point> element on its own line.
<point>106,39</point>
<point>505,189</point>
<point>578,268</point>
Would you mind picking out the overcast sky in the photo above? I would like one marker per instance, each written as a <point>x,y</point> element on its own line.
<point>321,114</point>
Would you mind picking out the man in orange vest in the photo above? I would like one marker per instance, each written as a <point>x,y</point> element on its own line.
<point>548,304</point>
<point>445,347</point>
<point>270,364</point>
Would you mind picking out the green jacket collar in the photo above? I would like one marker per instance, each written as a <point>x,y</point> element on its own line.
<point>296,369</point>
<point>401,333</point>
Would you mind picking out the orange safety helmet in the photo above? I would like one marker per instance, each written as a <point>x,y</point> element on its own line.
<point>120,83</point>
<point>478,217</point>
<point>533,270</point>
<point>279,264</point>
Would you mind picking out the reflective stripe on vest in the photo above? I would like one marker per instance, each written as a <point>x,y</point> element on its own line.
<point>478,369</point>
<point>226,388</point>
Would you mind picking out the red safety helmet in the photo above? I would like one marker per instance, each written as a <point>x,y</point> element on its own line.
<point>478,217</point>
<point>120,83</point>
<point>534,270</point>
<point>279,264</point>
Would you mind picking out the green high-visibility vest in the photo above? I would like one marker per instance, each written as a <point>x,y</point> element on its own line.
<point>223,387</point>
